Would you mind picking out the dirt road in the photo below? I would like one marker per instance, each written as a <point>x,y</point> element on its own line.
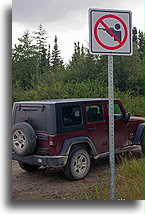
<point>51,184</point>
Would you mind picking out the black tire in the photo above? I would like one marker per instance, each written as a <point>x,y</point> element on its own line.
<point>142,147</point>
<point>24,139</point>
<point>29,167</point>
<point>78,164</point>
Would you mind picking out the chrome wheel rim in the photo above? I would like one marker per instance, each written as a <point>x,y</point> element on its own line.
<point>80,164</point>
<point>19,140</point>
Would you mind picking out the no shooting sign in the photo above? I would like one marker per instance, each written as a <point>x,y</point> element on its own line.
<point>110,32</point>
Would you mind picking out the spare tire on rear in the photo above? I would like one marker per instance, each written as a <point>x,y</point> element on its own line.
<point>24,138</point>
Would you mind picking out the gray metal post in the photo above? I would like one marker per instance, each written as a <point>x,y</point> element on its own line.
<point>111,127</point>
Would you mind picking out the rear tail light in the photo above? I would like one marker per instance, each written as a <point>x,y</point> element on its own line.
<point>25,118</point>
<point>52,140</point>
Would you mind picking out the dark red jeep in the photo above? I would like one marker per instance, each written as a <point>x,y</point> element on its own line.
<point>67,133</point>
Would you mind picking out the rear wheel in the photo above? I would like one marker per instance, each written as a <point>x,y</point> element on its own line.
<point>78,164</point>
<point>29,167</point>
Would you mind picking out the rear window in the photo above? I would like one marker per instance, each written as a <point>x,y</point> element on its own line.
<point>36,116</point>
<point>71,116</point>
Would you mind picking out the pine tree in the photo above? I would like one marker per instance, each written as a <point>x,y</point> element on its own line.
<point>134,35</point>
<point>78,48</point>
<point>56,60</point>
<point>77,53</point>
<point>141,43</point>
<point>49,57</point>
<point>24,61</point>
<point>40,38</point>
<point>82,51</point>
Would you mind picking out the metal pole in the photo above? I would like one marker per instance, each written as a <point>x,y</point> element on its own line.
<point>111,127</point>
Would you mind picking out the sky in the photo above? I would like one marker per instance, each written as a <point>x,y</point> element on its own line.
<point>68,19</point>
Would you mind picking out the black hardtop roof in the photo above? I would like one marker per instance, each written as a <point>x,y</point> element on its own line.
<point>71,100</point>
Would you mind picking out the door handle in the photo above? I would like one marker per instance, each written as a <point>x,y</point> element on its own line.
<point>92,129</point>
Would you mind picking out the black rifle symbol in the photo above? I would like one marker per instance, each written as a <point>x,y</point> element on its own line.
<point>116,32</point>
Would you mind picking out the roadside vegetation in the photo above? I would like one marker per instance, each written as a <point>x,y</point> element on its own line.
<point>129,183</point>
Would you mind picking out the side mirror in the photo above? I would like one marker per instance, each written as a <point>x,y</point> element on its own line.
<point>126,116</point>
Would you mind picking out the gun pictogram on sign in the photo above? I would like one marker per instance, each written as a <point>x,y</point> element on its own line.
<point>115,30</point>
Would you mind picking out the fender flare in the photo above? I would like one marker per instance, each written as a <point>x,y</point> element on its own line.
<point>68,143</point>
<point>139,134</point>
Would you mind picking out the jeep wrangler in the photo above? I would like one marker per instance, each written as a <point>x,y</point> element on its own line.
<point>69,132</point>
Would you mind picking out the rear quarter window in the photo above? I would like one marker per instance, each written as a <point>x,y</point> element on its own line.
<point>71,116</point>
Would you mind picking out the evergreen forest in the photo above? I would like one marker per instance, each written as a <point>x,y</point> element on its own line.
<point>39,73</point>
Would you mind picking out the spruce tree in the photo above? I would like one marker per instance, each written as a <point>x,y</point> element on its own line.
<point>141,43</point>
<point>56,60</point>
<point>134,35</point>
<point>40,38</point>
<point>49,57</point>
<point>24,61</point>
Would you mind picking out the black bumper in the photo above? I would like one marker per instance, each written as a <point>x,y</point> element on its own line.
<point>52,161</point>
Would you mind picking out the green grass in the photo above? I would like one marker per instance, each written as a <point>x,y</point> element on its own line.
<point>128,186</point>
<point>130,180</point>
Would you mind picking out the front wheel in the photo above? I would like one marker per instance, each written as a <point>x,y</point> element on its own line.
<point>142,147</point>
<point>78,164</point>
<point>29,167</point>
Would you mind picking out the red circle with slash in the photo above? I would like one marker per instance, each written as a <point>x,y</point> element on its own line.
<point>100,21</point>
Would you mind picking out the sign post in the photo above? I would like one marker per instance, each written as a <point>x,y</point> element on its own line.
<point>110,33</point>
<point>111,127</point>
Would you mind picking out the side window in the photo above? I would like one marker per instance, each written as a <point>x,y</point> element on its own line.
<point>118,113</point>
<point>71,116</point>
<point>94,113</point>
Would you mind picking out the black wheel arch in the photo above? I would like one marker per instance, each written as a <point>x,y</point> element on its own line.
<point>82,141</point>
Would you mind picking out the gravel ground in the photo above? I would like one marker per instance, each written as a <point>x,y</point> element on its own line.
<point>51,184</point>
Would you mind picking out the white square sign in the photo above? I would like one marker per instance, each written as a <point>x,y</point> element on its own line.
<point>110,32</point>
